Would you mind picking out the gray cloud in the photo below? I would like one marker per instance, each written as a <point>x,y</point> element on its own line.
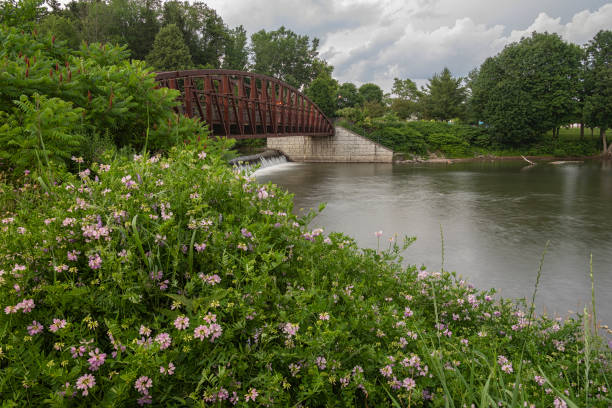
<point>377,40</point>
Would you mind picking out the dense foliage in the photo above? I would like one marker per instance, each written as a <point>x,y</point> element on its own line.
<point>178,282</point>
<point>169,51</point>
<point>528,88</point>
<point>422,138</point>
<point>70,102</point>
<point>597,109</point>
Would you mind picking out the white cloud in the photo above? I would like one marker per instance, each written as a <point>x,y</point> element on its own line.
<point>375,41</point>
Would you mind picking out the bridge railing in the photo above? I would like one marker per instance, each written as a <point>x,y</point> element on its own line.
<point>245,105</point>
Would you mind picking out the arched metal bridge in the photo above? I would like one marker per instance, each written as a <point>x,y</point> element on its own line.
<point>245,105</point>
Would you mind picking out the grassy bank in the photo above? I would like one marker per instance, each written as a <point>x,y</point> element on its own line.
<point>177,282</point>
<point>423,138</point>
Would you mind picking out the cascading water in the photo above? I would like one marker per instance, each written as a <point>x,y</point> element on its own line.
<point>251,164</point>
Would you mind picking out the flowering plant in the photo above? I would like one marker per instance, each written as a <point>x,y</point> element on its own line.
<point>177,281</point>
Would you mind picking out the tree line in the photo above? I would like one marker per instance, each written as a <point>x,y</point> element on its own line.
<point>532,86</point>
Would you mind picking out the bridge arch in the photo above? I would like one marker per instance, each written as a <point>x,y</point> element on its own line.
<point>244,105</point>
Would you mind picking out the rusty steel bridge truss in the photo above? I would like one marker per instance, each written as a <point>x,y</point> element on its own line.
<point>244,105</point>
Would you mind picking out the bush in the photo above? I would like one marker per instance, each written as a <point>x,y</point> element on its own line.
<point>178,282</point>
<point>449,144</point>
<point>115,98</point>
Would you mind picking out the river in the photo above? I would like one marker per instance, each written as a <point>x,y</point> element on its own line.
<point>496,218</point>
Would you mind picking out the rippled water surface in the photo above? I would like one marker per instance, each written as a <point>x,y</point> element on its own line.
<point>496,218</point>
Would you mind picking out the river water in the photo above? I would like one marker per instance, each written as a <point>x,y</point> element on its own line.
<point>496,218</point>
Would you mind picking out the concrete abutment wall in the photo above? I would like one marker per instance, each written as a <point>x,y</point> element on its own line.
<point>344,146</point>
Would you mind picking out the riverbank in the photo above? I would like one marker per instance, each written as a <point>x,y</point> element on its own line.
<point>491,158</point>
<point>420,140</point>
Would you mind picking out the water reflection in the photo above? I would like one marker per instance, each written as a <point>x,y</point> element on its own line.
<point>496,220</point>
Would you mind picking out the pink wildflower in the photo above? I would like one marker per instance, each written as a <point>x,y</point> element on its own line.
<point>167,371</point>
<point>95,262</point>
<point>26,305</point>
<point>251,395</point>
<point>35,328</point>
<point>86,382</point>
<point>324,316</point>
<point>164,340</point>
<point>143,384</point>
<point>199,247</point>
<point>57,324</point>
<point>212,280</point>
<point>10,309</point>
<point>407,312</point>
<point>321,363</point>
<point>96,359</point>
<point>291,329</point>
<point>147,399</point>
<point>408,383</point>
<point>181,322</point>
<point>386,371</point>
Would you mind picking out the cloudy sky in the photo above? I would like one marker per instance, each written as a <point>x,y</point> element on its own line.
<point>377,40</point>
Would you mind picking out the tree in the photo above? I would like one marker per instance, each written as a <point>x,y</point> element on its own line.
<point>322,91</point>
<point>348,96</point>
<point>598,79</point>
<point>63,28</point>
<point>203,30</point>
<point>528,88</point>
<point>136,23</point>
<point>287,56</point>
<point>236,52</point>
<point>371,93</point>
<point>169,50</point>
<point>406,102</point>
<point>444,98</point>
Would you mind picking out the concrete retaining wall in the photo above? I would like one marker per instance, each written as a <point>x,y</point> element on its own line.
<point>345,146</point>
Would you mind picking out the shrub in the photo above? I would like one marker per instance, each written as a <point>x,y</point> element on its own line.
<point>117,98</point>
<point>449,144</point>
<point>176,281</point>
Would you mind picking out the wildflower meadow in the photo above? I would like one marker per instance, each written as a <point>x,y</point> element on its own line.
<point>173,280</point>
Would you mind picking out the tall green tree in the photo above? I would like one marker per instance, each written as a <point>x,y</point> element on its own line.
<point>444,97</point>
<point>169,51</point>
<point>405,103</point>
<point>598,83</point>
<point>136,23</point>
<point>203,30</point>
<point>348,96</point>
<point>528,88</point>
<point>322,91</point>
<point>371,93</point>
<point>236,51</point>
<point>285,55</point>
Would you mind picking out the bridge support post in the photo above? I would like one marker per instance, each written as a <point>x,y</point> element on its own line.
<point>344,147</point>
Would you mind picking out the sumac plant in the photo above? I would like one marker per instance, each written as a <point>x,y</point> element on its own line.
<point>177,281</point>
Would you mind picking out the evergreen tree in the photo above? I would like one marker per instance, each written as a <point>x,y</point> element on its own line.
<point>444,98</point>
<point>169,50</point>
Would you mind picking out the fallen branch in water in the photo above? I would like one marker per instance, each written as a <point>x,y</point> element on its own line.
<point>527,160</point>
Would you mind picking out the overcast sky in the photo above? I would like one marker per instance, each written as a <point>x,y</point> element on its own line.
<point>377,40</point>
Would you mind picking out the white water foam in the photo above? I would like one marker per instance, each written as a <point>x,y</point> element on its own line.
<point>265,165</point>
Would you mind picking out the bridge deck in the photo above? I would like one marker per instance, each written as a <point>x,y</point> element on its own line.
<point>244,105</point>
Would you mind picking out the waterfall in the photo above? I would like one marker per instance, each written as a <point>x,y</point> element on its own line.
<point>250,164</point>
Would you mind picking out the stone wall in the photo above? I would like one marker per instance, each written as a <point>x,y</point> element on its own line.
<point>344,146</point>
